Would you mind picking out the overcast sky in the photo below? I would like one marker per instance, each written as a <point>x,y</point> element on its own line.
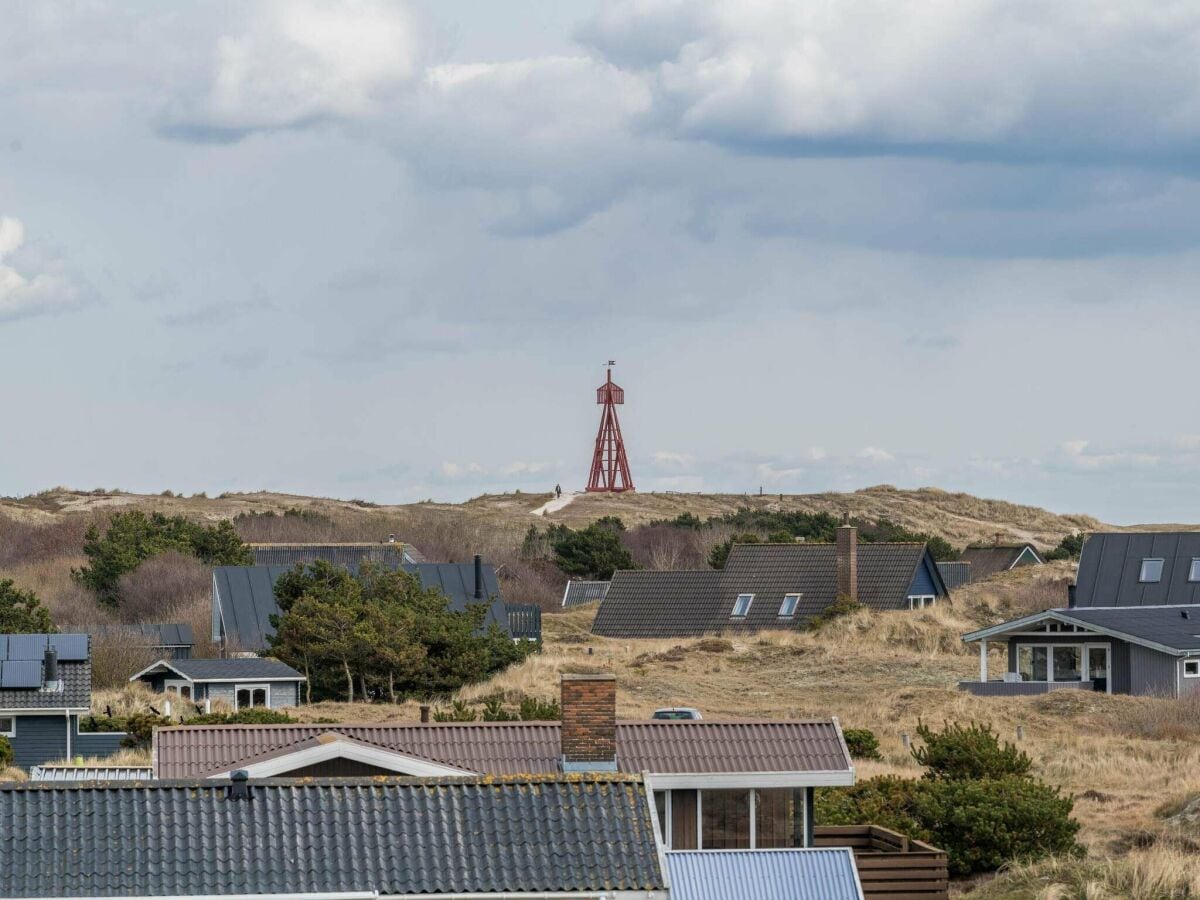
<point>382,250</point>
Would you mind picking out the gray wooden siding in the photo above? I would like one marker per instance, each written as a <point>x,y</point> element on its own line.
<point>1118,659</point>
<point>1151,673</point>
<point>284,693</point>
<point>39,739</point>
<point>102,743</point>
<point>223,692</point>
<point>1187,686</point>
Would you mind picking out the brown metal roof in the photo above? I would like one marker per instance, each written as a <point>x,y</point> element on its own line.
<point>512,748</point>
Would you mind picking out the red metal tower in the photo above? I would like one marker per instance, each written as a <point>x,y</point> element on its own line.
<point>610,467</point>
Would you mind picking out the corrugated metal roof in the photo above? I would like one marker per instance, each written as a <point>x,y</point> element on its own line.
<point>246,596</point>
<point>394,836</point>
<point>578,592</point>
<point>508,748</point>
<point>1111,564</point>
<point>989,560</point>
<point>235,667</point>
<point>91,773</point>
<point>955,574</point>
<point>817,874</point>
<point>691,603</point>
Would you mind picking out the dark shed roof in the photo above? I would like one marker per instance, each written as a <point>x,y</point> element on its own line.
<point>578,592</point>
<point>347,555</point>
<point>1111,564</point>
<point>160,634</point>
<point>508,748</point>
<point>394,836</point>
<point>232,669</point>
<point>987,561</point>
<point>683,604</point>
<point>244,596</point>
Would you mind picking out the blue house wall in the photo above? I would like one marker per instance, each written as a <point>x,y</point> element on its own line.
<point>924,583</point>
<point>39,739</point>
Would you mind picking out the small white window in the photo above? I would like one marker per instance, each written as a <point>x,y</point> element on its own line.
<point>248,696</point>
<point>178,686</point>
<point>8,726</point>
<point>1194,571</point>
<point>920,602</point>
<point>1191,668</point>
<point>1151,571</point>
<point>787,609</point>
<point>742,605</point>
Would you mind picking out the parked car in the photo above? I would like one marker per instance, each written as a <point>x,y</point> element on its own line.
<point>677,712</point>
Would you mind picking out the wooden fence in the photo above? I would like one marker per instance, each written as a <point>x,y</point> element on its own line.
<point>524,621</point>
<point>890,865</point>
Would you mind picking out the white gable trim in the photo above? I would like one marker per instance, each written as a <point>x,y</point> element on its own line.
<point>338,747</point>
<point>674,780</point>
<point>1014,626</point>
<point>1028,548</point>
<point>154,666</point>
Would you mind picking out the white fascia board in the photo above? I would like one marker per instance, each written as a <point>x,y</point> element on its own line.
<point>714,780</point>
<point>375,756</point>
<point>150,668</point>
<point>47,711</point>
<point>247,680</point>
<point>1056,615</point>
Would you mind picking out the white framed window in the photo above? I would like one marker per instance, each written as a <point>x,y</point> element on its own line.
<point>1194,570</point>
<point>1191,669</point>
<point>179,686</point>
<point>920,602</point>
<point>8,726</point>
<point>249,696</point>
<point>1152,569</point>
<point>787,608</point>
<point>741,606</point>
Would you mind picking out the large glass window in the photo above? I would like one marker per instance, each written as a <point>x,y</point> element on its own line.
<point>726,820</point>
<point>1151,571</point>
<point>660,806</point>
<point>251,695</point>
<point>779,818</point>
<point>683,820</point>
<point>1068,663</point>
<point>1033,663</point>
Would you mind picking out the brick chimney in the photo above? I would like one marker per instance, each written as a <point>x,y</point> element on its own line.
<point>589,723</point>
<point>847,562</point>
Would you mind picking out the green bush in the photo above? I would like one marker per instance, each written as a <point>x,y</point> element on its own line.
<point>21,612</point>
<point>842,606</point>
<point>99,724</point>
<point>984,824</point>
<point>968,751</point>
<point>254,716</point>
<point>494,711</point>
<point>885,800</point>
<point>139,729</point>
<point>458,712</point>
<point>862,743</point>
<point>6,753</point>
<point>535,710</point>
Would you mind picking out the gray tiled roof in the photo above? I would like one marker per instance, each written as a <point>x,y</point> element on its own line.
<point>955,574</point>
<point>827,873</point>
<point>989,560</point>
<point>246,595</point>
<point>76,678</point>
<point>1111,564</point>
<point>578,592</point>
<point>683,604</point>
<point>1162,625</point>
<point>510,748</point>
<point>240,668</point>
<point>348,555</point>
<point>394,836</point>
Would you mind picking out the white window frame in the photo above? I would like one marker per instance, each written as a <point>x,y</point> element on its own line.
<point>1084,647</point>
<point>176,684</point>
<point>784,612</point>
<point>738,602</point>
<point>921,601</point>
<point>251,686</point>
<point>1194,570</point>
<point>1162,564</point>
<point>12,726</point>
<point>1191,662</point>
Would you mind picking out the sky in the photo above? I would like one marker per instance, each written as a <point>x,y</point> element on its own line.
<point>383,250</point>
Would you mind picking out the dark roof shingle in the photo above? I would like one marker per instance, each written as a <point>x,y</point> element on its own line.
<point>394,836</point>
<point>239,668</point>
<point>1110,566</point>
<point>995,558</point>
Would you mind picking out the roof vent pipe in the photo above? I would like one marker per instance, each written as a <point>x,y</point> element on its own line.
<point>478,577</point>
<point>50,668</point>
<point>1184,614</point>
<point>239,785</point>
<point>391,539</point>
<point>1070,596</point>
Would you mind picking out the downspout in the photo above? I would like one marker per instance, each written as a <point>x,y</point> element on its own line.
<point>68,734</point>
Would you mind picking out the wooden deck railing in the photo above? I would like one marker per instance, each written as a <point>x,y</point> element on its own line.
<point>890,865</point>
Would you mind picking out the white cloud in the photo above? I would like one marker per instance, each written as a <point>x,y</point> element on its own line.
<point>875,455</point>
<point>23,295</point>
<point>461,470</point>
<point>1077,455</point>
<point>672,459</point>
<point>524,468</point>
<point>295,62</point>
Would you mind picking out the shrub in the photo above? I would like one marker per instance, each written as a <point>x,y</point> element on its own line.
<point>256,716</point>
<point>139,729</point>
<point>862,743</point>
<point>458,712</point>
<point>21,612</point>
<point>535,710</point>
<point>983,824</point>
<point>494,711</point>
<point>968,751</point>
<point>102,724</point>
<point>6,753</point>
<point>886,800</point>
<point>842,606</point>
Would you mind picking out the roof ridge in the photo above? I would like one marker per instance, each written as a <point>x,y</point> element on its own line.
<point>299,783</point>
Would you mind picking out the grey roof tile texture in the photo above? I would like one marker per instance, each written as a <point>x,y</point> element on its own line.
<point>990,560</point>
<point>348,555</point>
<point>246,595</point>
<point>510,748</point>
<point>1164,625</point>
<point>815,874</point>
<point>75,675</point>
<point>241,668</point>
<point>955,574</point>
<point>1111,563</point>
<point>394,836</point>
<point>690,603</point>
<point>578,592</point>
<point>159,634</point>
